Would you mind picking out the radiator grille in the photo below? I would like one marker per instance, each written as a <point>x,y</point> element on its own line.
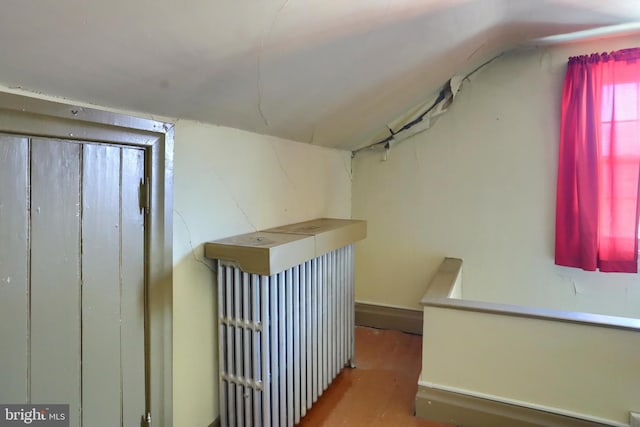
<point>283,338</point>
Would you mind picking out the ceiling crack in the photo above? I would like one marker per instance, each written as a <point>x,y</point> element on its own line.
<point>476,50</point>
<point>259,82</point>
<point>286,2</point>
<point>259,62</point>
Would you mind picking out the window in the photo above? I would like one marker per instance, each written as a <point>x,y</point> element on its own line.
<point>597,204</point>
<point>623,101</point>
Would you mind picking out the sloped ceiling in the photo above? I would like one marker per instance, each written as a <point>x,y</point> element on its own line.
<point>327,72</point>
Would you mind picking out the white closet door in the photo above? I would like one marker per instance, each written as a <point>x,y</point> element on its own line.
<point>72,279</point>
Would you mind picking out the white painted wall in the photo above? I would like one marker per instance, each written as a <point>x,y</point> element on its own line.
<point>480,185</point>
<point>229,182</point>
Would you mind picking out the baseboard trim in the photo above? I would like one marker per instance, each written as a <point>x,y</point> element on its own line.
<point>393,318</point>
<point>470,411</point>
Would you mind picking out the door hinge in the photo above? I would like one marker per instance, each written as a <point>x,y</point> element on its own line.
<point>148,419</point>
<point>144,196</point>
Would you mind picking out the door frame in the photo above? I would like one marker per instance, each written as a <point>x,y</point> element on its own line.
<point>22,115</point>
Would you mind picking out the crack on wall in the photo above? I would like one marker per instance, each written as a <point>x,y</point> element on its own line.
<point>246,217</point>
<point>573,285</point>
<point>265,36</point>
<point>282,168</point>
<point>193,251</point>
<point>348,167</point>
<point>235,201</point>
<point>292,183</point>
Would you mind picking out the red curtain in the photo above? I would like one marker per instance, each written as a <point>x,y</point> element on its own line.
<point>599,163</point>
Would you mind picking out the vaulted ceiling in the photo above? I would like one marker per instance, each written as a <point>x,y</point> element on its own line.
<point>327,72</point>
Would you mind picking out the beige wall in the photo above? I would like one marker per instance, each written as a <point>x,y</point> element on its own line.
<point>480,185</point>
<point>229,182</point>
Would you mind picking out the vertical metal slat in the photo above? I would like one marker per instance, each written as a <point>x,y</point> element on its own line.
<point>282,348</point>
<point>221,344</point>
<point>328,284</point>
<point>296,344</point>
<point>249,355</point>
<point>303,339</point>
<point>238,356</point>
<point>321,337</point>
<point>344,321</point>
<point>340,309</point>
<point>329,321</point>
<point>258,317</point>
<point>343,309</point>
<point>274,410</point>
<point>316,340</point>
<point>334,318</point>
<point>351,325</point>
<point>231,388</point>
<point>309,336</point>
<point>325,323</point>
<point>289,343</point>
<point>265,351</point>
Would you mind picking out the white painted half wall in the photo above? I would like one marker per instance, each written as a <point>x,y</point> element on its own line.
<point>583,371</point>
<point>480,185</point>
<point>229,182</point>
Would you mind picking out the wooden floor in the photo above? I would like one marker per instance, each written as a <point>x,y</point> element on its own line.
<point>380,391</point>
